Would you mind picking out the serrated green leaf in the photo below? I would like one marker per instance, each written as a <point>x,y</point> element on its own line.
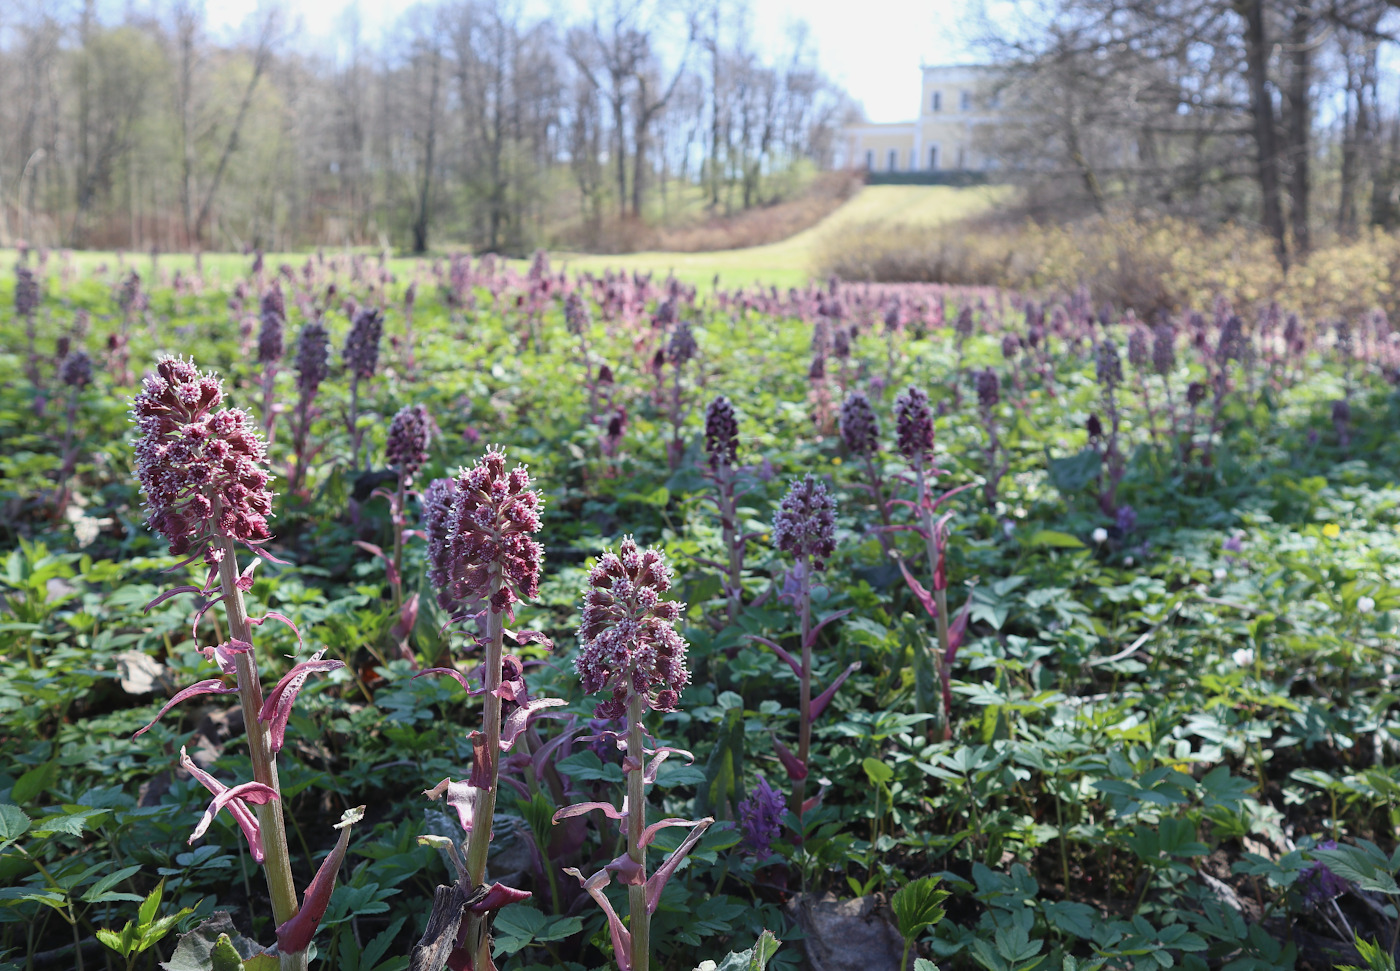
<point>918,906</point>
<point>14,823</point>
<point>37,780</point>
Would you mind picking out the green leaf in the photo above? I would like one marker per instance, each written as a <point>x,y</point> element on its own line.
<point>151,905</point>
<point>1071,475</point>
<point>515,928</point>
<point>34,782</point>
<point>13,824</point>
<point>878,772</point>
<point>1055,540</point>
<point>101,887</point>
<point>224,956</point>
<point>755,958</point>
<point>123,943</point>
<point>918,906</point>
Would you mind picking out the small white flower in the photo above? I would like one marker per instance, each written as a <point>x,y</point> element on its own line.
<point>1244,657</point>
<point>1128,561</point>
<point>1008,528</point>
<point>1365,605</point>
<point>1100,535</point>
<point>1220,573</point>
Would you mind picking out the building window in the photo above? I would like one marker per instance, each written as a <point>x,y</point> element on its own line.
<point>938,101</point>
<point>962,157</point>
<point>913,160</point>
<point>869,160</point>
<point>933,158</point>
<point>894,160</point>
<point>965,101</point>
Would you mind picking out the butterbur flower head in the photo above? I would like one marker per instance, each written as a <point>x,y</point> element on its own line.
<point>576,316</point>
<point>913,424</point>
<point>437,509</point>
<point>202,468</point>
<point>627,637</point>
<point>1010,346</point>
<point>681,347</point>
<point>805,525</point>
<point>1137,347</point>
<point>26,291</point>
<point>484,551</point>
<point>963,326</point>
<point>77,370</point>
<point>721,432</point>
<point>859,428</point>
<point>988,389</point>
<point>274,316</point>
<point>410,434</point>
<point>1108,367</point>
<point>361,353</point>
<point>1163,348</point>
<point>313,357</point>
<point>761,818</point>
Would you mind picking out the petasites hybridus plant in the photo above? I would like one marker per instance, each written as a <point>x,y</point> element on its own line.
<point>360,356</point>
<point>483,559</point>
<point>203,471</point>
<point>721,444</point>
<point>860,430</point>
<point>914,424</point>
<point>312,366</point>
<point>629,648</point>
<point>805,528</point>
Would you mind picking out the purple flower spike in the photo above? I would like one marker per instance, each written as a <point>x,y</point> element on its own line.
<point>805,525</point>
<point>721,432</point>
<point>277,706</point>
<point>361,352</point>
<point>77,370</point>
<point>628,632</point>
<point>761,818</point>
<point>313,355</point>
<point>483,523</point>
<point>859,428</point>
<point>913,424</point>
<point>274,316</point>
<point>203,471</point>
<point>410,434</point>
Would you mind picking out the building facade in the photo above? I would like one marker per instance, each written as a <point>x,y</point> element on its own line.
<point>957,110</point>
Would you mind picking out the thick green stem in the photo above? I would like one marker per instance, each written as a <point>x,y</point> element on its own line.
<point>396,514</point>
<point>729,524</point>
<point>804,728</point>
<point>636,822</point>
<point>940,594</point>
<point>277,866</point>
<point>484,812</point>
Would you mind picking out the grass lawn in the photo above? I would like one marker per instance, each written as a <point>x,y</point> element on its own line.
<point>790,262</point>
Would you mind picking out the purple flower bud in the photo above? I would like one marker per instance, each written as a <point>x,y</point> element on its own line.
<point>26,291</point>
<point>361,352</point>
<point>1010,346</point>
<point>721,432</point>
<point>627,635</point>
<point>1163,348</point>
<point>859,428</point>
<point>274,316</point>
<point>988,389</point>
<point>681,347</point>
<point>484,537</point>
<point>913,424</point>
<point>1094,427</point>
<point>805,525</point>
<point>761,818</point>
<point>1108,368</point>
<point>963,327</point>
<point>1137,347</point>
<point>76,371</point>
<point>841,343</point>
<point>410,433</point>
<point>313,357</point>
<point>1319,883</point>
<point>204,471</point>
<point>576,316</point>
<point>1195,393</point>
<point>1126,520</point>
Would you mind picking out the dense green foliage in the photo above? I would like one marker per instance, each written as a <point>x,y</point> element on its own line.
<point>1155,717</point>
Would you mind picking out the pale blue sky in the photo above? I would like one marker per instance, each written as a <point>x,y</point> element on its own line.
<point>873,47</point>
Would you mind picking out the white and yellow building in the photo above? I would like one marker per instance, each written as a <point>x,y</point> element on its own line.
<point>958,108</point>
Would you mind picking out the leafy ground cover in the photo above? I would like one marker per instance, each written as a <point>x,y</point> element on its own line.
<point>1126,695</point>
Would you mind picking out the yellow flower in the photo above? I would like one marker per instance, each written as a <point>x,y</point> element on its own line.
<point>836,460</point>
<point>1331,530</point>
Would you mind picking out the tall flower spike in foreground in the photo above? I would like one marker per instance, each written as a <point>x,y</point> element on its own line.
<point>629,646</point>
<point>913,425</point>
<point>482,558</point>
<point>805,528</point>
<point>722,445</point>
<point>203,469</point>
<point>410,434</point>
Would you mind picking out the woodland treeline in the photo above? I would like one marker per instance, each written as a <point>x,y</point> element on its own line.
<point>1280,111</point>
<point>467,123</point>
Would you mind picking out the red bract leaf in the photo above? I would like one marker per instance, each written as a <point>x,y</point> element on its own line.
<point>820,702</point>
<point>235,805</point>
<point>224,654</point>
<point>175,592</point>
<point>294,935</point>
<point>460,796</point>
<point>660,755</point>
<point>547,752</point>
<point>498,895</point>
<point>516,721</point>
<point>629,872</point>
<point>453,673</point>
<point>948,495</point>
<point>657,882</point>
<point>214,686</point>
<point>371,549</point>
<point>582,808</point>
<point>523,637</point>
<point>650,832</point>
<point>483,774</point>
<point>245,579</point>
<point>782,652</point>
<point>958,630</point>
<point>916,588</point>
<point>621,939</point>
<point>277,707</point>
<point>796,769</point>
<point>408,618</point>
<point>274,615</point>
<point>812,634</point>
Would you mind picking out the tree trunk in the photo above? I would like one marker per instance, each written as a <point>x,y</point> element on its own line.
<point>1300,125</point>
<point>425,183</point>
<point>1261,105</point>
